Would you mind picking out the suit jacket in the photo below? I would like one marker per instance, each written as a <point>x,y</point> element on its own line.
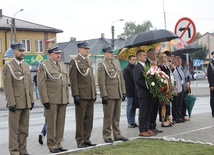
<point>114,88</point>
<point>140,81</point>
<point>210,74</point>
<point>53,91</point>
<point>18,92</point>
<point>83,86</point>
<point>165,69</point>
<point>129,80</point>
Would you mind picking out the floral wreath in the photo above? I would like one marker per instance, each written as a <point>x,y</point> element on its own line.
<point>159,84</point>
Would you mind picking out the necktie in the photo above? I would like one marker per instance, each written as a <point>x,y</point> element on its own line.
<point>179,73</point>
<point>20,64</point>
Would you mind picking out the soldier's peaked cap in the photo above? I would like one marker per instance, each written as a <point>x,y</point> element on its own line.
<point>54,49</point>
<point>83,44</point>
<point>18,46</point>
<point>107,48</point>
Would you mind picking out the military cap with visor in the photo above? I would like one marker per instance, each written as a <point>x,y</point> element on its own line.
<point>108,49</point>
<point>17,46</point>
<point>83,45</point>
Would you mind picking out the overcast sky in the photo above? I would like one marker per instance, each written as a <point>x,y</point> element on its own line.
<point>87,19</point>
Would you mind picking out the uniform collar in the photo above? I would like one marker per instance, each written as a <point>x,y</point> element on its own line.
<point>18,62</point>
<point>82,56</point>
<point>53,61</point>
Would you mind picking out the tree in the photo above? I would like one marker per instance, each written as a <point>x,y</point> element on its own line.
<point>197,36</point>
<point>131,28</point>
<point>200,54</point>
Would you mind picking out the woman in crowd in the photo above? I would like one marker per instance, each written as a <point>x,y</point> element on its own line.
<point>164,111</point>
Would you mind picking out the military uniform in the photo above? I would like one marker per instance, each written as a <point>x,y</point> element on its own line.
<point>53,89</point>
<point>18,89</point>
<point>83,85</point>
<point>111,85</point>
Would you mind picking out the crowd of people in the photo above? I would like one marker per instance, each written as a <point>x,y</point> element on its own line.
<point>114,85</point>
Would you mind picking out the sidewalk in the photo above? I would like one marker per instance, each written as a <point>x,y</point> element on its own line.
<point>198,130</point>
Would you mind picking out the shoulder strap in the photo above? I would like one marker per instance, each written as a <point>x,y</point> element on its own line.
<point>83,74</point>
<point>48,73</point>
<point>112,77</point>
<point>12,73</point>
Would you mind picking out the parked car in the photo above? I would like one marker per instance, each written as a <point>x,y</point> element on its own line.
<point>199,74</point>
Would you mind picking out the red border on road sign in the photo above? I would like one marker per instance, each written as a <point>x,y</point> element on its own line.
<point>190,22</point>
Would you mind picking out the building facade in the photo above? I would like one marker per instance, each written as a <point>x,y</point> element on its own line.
<point>33,36</point>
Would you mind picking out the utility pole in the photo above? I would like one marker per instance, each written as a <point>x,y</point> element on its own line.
<point>112,40</point>
<point>164,14</point>
<point>13,29</point>
<point>112,32</point>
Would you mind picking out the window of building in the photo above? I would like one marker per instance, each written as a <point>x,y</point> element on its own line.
<point>26,43</point>
<point>39,46</point>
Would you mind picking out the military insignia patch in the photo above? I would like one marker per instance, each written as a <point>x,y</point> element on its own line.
<point>99,69</point>
<point>5,72</point>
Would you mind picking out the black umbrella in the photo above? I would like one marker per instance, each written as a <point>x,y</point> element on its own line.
<point>188,49</point>
<point>149,38</point>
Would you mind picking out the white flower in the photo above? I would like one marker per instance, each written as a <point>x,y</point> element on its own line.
<point>152,73</point>
<point>161,80</point>
<point>153,84</point>
<point>165,81</point>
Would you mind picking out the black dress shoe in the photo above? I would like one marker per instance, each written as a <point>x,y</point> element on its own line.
<point>89,144</point>
<point>55,151</point>
<point>157,131</point>
<point>82,145</point>
<point>123,139</point>
<point>62,150</point>
<point>169,125</point>
<point>109,140</point>
<point>135,124</point>
<point>177,121</point>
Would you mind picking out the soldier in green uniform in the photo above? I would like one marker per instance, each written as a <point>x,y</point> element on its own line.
<point>84,94</point>
<point>52,80</point>
<point>18,89</point>
<point>112,90</point>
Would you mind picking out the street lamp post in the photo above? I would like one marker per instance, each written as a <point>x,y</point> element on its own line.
<point>13,28</point>
<point>112,32</point>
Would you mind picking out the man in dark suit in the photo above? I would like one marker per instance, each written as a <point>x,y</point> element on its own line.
<point>210,76</point>
<point>152,60</point>
<point>144,95</point>
<point>130,92</point>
